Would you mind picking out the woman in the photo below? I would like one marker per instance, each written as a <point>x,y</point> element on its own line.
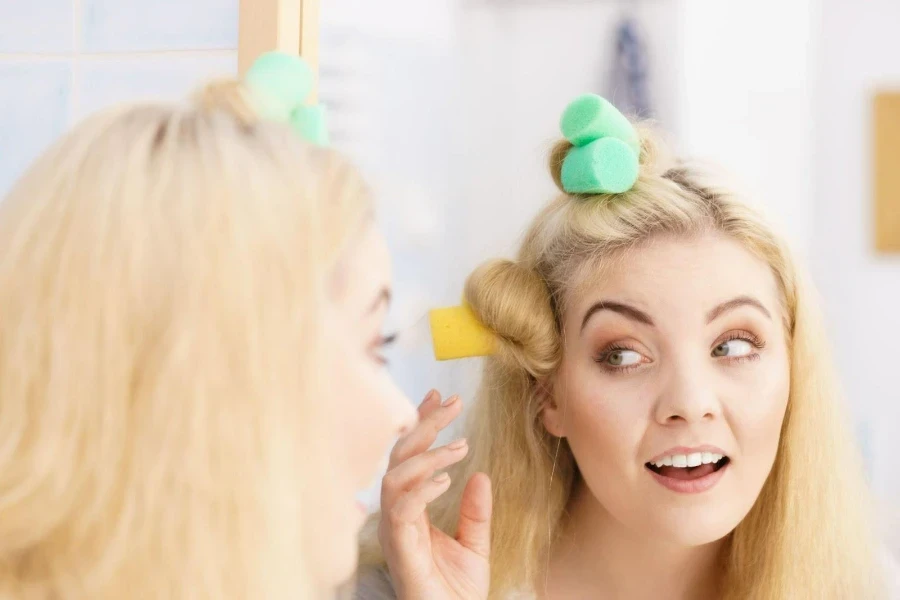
<point>175,422</point>
<point>659,417</point>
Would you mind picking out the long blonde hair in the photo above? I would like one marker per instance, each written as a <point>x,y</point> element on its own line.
<point>807,534</point>
<point>162,268</point>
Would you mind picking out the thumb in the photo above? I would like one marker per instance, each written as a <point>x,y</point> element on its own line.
<point>474,529</point>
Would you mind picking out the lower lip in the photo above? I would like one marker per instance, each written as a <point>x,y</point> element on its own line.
<point>690,486</point>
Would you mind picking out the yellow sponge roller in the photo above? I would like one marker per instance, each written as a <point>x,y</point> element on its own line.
<point>457,333</point>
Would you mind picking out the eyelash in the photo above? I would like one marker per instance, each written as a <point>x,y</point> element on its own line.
<point>746,336</point>
<point>383,342</point>
<point>617,347</point>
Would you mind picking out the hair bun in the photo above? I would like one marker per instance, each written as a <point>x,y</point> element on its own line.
<point>555,162</point>
<point>513,302</point>
<point>227,96</point>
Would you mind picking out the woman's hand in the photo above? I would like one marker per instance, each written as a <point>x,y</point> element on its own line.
<point>425,563</point>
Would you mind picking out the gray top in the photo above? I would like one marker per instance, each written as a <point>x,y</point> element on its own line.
<point>374,584</point>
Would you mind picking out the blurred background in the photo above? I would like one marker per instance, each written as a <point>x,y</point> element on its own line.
<point>450,107</point>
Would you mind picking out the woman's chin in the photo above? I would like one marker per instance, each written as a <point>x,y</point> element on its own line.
<point>692,530</point>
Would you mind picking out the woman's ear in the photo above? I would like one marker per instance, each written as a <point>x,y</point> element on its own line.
<point>551,414</point>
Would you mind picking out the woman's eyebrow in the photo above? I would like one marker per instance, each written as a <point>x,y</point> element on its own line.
<point>623,309</point>
<point>730,305</point>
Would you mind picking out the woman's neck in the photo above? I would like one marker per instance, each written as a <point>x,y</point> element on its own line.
<point>597,557</point>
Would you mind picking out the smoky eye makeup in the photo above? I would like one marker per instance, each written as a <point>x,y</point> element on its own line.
<point>738,346</point>
<point>622,356</point>
<point>734,347</point>
<point>742,334</point>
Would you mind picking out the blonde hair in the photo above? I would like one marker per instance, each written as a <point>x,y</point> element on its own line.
<point>805,537</point>
<point>162,268</point>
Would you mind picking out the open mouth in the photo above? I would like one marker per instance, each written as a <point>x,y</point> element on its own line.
<point>685,472</point>
<point>689,473</point>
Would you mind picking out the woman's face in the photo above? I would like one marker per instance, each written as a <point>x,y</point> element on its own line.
<point>673,386</point>
<point>364,410</point>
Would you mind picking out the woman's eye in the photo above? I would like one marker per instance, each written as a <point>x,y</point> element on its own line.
<point>623,358</point>
<point>733,349</point>
<point>380,345</point>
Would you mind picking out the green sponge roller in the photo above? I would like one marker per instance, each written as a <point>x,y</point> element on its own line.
<point>280,83</point>
<point>605,157</point>
<point>309,121</point>
<point>590,117</point>
<point>606,166</point>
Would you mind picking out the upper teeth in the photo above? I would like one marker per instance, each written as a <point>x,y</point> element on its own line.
<point>694,459</point>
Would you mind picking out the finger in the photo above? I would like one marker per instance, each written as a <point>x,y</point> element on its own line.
<point>431,401</point>
<point>425,432</point>
<point>474,528</point>
<point>407,475</point>
<point>412,505</point>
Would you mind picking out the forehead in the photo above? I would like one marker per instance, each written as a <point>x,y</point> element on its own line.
<point>676,274</point>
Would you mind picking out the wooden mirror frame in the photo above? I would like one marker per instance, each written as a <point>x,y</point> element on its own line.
<point>286,25</point>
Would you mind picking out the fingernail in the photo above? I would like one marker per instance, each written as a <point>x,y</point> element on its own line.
<point>458,444</point>
<point>451,400</point>
<point>441,478</point>
<point>428,397</point>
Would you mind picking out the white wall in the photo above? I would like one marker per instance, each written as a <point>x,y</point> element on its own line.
<point>859,53</point>
<point>747,87</point>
